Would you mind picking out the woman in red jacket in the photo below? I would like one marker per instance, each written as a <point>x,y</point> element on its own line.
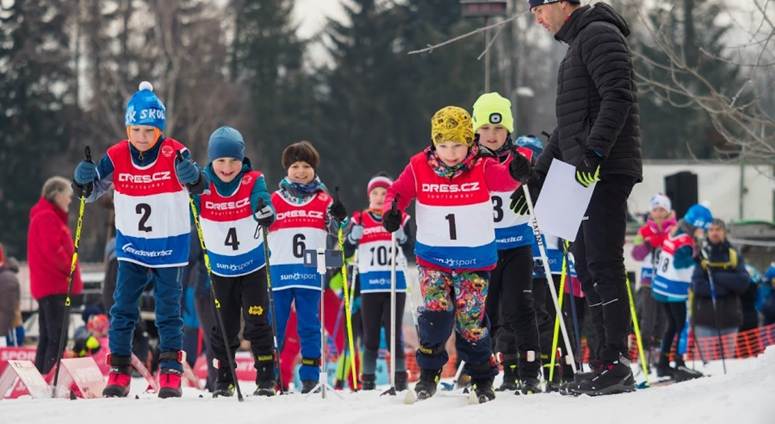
<point>49,252</point>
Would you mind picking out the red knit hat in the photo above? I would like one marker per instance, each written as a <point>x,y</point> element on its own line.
<point>378,181</point>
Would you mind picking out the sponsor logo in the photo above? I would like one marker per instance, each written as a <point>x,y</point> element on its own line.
<point>167,151</point>
<point>145,114</point>
<point>128,248</point>
<point>255,310</point>
<point>510,239</point>
<point>225,206</point>
<point>247,179</point>
<point>450,188</point>
<point>300,213</point>
<point>297,276</point>
<point>374,230</point>
<point>234,267</point>
<point>147,178</point>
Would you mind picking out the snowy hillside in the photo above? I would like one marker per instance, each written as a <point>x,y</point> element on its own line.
<point>744,396</point>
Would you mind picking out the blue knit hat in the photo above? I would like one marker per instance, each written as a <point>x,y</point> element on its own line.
<point>535,3</point>
<point>698,216</point>
<point>225,142</point>
<point>144,108</point>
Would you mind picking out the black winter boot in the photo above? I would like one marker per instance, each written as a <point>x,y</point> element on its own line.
<point>429,381</point>
<point>615,377</point>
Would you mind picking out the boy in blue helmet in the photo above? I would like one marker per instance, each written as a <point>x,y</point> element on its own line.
<point>510,302</point>
<point>152,233</point>
<point>673,277</point>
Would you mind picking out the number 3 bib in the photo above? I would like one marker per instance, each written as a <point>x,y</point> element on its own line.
<point>233,241</point>
<point>296,229</point>
<point>455,227</point>
<point>153,227</point>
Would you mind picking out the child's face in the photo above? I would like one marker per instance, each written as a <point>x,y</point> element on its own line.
<point>227,168</point>
<point>142,137</point>
<point>659,214</point>
<point>377,198</point>
<point>451,153</point>
<point>492,137</point>
<point>301,172</point>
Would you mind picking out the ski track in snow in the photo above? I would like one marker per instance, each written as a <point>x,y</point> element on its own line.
<point>744,396</point>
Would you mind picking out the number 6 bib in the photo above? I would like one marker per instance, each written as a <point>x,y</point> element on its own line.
<point>153,227</point>
<point>296,229</point>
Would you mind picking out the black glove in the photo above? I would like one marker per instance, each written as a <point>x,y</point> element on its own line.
<point>392,219</point>
<point>588,170</point>
<point>264,214</point>
<point>82,190</point>
<point>520,168</point>
<point>518,202</point>
<point>337,209</point>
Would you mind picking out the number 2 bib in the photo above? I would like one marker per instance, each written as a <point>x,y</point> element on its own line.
<point>153,226</point>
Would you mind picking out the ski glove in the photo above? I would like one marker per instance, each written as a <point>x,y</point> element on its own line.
<point>392,220</point>
<point>187,171</point>
<point>520,168</point>
<point>85,173</point>
<point>264,215</point>
<point>588,171</point>
<point>518,202</point>
<point>337,210</point>
<point>356,233</point>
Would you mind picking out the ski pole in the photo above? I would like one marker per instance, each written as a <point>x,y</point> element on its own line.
<point>572,301</point>
<point>85,192</point>
<point>392,390</point>
<point>347,315</point>
<point>636,327</point>
<point>216,302</point>
<point>557,318</point>
<point>548,272</point>
<point>265,236</point>
<point>712,285</point>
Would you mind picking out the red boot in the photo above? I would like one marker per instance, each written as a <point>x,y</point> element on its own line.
<point>119,377</point>
<point>170,378</point>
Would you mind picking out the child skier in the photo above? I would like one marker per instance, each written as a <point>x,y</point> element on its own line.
<point>455,245</point>
<point>306,217</point>
<point>510,302</point>
<point>672,281</point>
<point>152,233</point>
<point>646,248</point>
<point>374,263</point>
<point>237,199</point>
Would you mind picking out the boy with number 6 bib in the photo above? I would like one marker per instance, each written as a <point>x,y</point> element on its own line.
<point>153,230</point>
<point>236,202</point>
<point>455,245</point>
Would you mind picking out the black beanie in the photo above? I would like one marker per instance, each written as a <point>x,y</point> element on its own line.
<point>535,3</point>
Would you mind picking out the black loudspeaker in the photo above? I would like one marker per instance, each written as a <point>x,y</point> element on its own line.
<point>681,188</point>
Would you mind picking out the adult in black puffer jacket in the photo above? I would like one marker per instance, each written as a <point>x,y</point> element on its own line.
<point>597,132</point>
<point>730,280</point>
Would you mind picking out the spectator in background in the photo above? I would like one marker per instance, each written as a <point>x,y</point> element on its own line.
<point>730,279</point>
<point>10,294</point>
<point>748,299</point>
<point>49,254</point>
<point>768,301</point>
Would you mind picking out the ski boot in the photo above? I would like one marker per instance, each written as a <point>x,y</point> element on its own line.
<point>265,380</point>
<point>169,377</point>
<point>509,377</point>
<point>429,380</point>
<point>224,384</point>
<point>368,382</point>
<point>528,370</point>
<point>664,370</point>
<point>482,390</point>
<point>308,385</point>
<point>119,378</point>
<point>570,381</point>
<point>616,377</point>
<point>682,373</point>
<point>401,380</point>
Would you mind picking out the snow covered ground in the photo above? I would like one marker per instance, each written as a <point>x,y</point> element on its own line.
<point>745,396</point>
